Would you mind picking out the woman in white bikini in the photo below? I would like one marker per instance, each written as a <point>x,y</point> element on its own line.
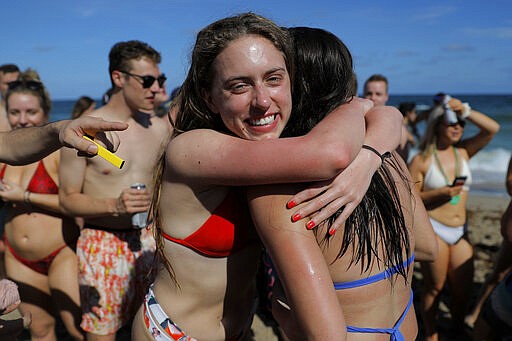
<point>442,175</point>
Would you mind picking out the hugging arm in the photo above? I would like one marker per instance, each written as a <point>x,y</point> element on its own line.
<point>215,158</point>
<point>384,125</point>
<point>301,267</point>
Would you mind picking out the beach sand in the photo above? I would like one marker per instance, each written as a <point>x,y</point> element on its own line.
<point>484,214</point>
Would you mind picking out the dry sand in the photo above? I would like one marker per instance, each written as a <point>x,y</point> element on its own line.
<point>484,214</point>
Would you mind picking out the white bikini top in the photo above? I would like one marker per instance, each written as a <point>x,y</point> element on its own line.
<point>436,179</point>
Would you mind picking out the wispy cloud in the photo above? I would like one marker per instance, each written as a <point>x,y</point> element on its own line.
<point>496,32</point>
<point>434,13</point>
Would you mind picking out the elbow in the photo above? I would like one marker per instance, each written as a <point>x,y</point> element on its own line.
<point>64,207</point>
<point>494,129</point>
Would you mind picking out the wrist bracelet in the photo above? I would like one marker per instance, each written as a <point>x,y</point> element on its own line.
<point>467,110</point>
<point>26,197</point>
<point>381,156</point>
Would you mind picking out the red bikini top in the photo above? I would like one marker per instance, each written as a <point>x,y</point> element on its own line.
<point>41,181</point>
<point>226,231</point>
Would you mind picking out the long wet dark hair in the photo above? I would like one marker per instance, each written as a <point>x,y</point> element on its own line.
<point>324,80</point>
<point>190,105</point>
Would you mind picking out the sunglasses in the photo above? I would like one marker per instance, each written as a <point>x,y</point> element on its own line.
<point>461,123</point>
<point>32,85</point>
<point>148,81</point>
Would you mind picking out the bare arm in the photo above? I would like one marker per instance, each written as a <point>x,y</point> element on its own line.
<point>425,247</point>
<point>488,128</point>
<point>384,124</point>
<point>75,203</point>
<point>205,155</point>
<point>34,143</point>
<point>300,264</point>
<point>72,200</point>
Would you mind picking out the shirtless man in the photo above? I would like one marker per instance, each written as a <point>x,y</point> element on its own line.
<point>113,254</point>
<point>8,73</point>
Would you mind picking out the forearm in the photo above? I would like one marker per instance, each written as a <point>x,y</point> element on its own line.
<point>82,205</point>
<point>23,146</point>
<point>49,202</point>
<point>383,128</point>
<point>226,160</point>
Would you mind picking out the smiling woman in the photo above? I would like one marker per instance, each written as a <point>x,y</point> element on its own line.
<point>443,158</point>
<point>37,256</point>
<point>234,103</point>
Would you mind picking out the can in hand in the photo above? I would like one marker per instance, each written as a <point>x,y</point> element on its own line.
<point>139,220</point>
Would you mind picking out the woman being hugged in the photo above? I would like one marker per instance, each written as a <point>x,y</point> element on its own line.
<point>370,259</point>
<point>442,176</point>
<point>238,88</point>
<point>39,256</point>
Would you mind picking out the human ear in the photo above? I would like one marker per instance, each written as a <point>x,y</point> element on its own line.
<point>117,79</point>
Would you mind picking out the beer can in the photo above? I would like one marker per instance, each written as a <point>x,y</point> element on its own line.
<point>139,219</point>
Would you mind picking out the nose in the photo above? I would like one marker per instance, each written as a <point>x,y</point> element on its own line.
<point>23,119</point>
<point>155,87</point>
<point>261,99</point>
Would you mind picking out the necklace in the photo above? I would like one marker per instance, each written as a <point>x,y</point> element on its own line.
<point>455,199</point>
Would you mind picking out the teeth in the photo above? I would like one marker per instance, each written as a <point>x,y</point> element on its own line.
<point>263,121</point>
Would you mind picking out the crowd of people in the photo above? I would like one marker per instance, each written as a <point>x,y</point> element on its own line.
<point>335,213</point>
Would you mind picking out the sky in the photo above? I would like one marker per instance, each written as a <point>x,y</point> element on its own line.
<point>422,47</point>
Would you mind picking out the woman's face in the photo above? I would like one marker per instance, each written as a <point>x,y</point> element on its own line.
<point>251,88</point>
<point>25,111</point>
<point>451,133</point>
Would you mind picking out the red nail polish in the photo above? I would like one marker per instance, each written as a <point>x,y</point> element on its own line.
<point>296,217</point>
<point>310,225</point>
<point>291,204</point>
<point>332,232</point>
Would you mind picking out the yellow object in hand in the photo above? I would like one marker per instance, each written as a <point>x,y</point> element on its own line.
<point>107,155</point>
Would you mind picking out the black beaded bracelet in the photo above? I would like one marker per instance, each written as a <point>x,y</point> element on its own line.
<point>381,156</point>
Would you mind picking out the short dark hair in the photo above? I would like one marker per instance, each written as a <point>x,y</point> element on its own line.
<point>9,68</point>
<point>122,53</point>
<point>377,78</point>
<point>406,107</point>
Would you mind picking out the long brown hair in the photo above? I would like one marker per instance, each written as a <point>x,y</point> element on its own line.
<point>192,110</point>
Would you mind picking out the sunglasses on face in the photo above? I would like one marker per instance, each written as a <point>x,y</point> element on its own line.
<point>461,123</point>
<point>32,85</point>
<point>148,81</point>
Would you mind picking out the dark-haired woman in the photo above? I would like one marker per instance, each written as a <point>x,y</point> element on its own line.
<point>370,260</point>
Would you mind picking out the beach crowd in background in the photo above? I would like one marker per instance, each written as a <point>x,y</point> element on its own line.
<point>88,247</point>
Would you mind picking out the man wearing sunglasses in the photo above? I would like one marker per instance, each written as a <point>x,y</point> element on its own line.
<point>114,253</point>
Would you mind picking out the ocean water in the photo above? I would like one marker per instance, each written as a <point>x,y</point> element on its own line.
<point>488,167</point>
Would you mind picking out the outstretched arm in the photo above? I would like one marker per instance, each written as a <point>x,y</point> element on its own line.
<point>215,158</point>
<point>300,264</point>
<point>23,146</point>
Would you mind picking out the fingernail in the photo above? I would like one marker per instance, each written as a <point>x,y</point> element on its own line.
<point>291,204</point>
<point>310,225</point>
<point>296,217</point>
<point>92,149</point>
<point>332,232</point>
